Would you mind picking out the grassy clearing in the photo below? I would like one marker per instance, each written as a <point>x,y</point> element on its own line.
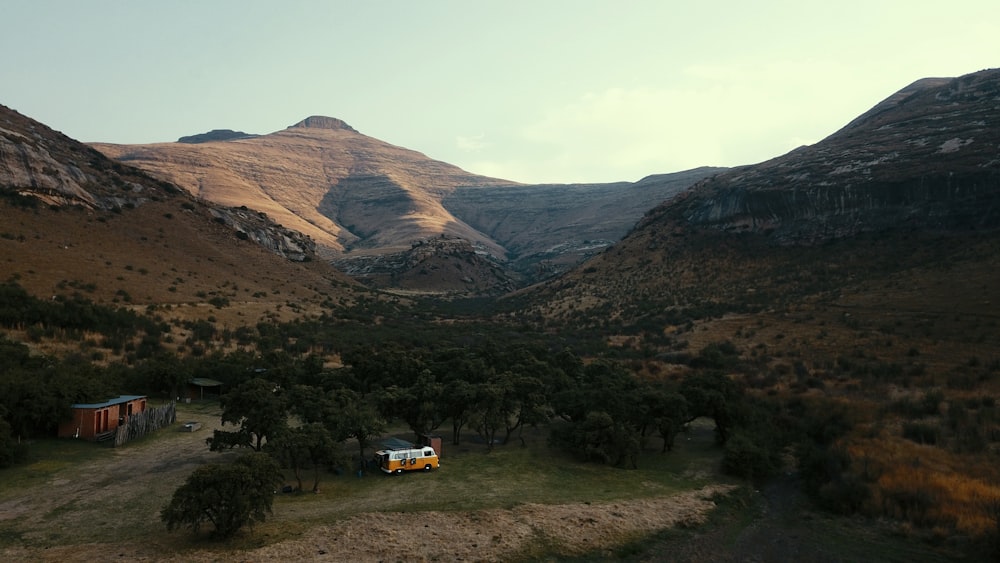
<point>74,493</point>
<point>470,478</point>
<point>48,459</point>
<point>45,505</point>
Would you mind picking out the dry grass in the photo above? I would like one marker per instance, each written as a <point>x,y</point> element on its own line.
<point>159,257</point>
<point>929,486</point>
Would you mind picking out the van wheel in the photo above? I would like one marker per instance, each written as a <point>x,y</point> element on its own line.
<point>399,471</point>
<point>427,467</point>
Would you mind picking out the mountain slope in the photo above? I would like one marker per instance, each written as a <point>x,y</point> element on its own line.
<point>321,177</point>
<point>76,222</point>
<point>854,282</point>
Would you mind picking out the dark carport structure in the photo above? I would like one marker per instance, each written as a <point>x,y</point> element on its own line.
<point>198,387</point>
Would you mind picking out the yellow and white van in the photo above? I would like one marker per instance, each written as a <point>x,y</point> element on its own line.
<point>412,459</point>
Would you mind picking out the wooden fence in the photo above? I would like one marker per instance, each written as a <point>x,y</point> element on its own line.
<point>149,420</point>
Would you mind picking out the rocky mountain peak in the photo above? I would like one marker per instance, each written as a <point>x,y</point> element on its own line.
<point>323,122</point>
<point>216,135</point>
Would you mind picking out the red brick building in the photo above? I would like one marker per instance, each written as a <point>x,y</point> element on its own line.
<point>93,421</point>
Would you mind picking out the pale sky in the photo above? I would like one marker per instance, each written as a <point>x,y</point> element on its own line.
<point>532,91</point>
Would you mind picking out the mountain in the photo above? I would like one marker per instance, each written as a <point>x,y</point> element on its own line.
<point>904,192</point>
<point>347,191</point>
<point>79,224</point>
<point>376,209</point>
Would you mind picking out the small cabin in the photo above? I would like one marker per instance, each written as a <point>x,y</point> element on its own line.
<point>97,421</point>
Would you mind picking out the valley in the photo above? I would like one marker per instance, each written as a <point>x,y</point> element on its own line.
<point>811,344</point>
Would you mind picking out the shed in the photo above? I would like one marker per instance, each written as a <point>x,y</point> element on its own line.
<point>198,387</point>
<point>97,421</point>
<point>433,441</point>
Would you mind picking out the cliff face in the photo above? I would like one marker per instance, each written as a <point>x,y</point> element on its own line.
<point>928,157</point>
<point>43,164</point>
<point>39,162</point>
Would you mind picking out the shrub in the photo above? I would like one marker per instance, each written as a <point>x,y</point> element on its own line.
<point>749,458</point>
<point>922,432</point>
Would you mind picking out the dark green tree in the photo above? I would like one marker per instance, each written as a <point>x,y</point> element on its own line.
<point>421,405</point>
<point>11,451</point>
<point>303,447</point>
<point>713,395</point>
<point>602,406</point>
<point>228,496</point>
<point>666,410</point>
<point>357,417</point>
<point>257,408</point>
<point>489,411</point>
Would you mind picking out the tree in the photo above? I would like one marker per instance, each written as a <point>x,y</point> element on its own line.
<point>420,405</point>
<point>357,418</point>
<point>714,395</point>
<point>229,496</point>
<point>601,438</point>
<point>603,407</point>
<point>164,374</point>
<point>459,400</point>
<point>489,412</point>
<point>304,446</point>
<point>258,408</point>
<point>667,411</point>
<point>10,450</point>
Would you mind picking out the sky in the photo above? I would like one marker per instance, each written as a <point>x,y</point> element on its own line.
<point>541,91</point>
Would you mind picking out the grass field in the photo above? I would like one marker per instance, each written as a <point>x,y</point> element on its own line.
<point>73,494</point>
<point>77,501</point>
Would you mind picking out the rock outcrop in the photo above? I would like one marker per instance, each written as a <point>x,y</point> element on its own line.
<point>324,122</point>
<point>256,226</point>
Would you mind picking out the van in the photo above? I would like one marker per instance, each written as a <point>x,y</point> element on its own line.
<point>412,459</point>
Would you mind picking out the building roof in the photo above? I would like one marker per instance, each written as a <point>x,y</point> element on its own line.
<point>116,401</point>
<point>205,382</point>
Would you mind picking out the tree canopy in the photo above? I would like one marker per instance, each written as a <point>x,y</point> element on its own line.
<point>229,496</point>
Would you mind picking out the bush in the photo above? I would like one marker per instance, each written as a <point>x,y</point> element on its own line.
<point>747,457</point>
<point>845,495</point>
